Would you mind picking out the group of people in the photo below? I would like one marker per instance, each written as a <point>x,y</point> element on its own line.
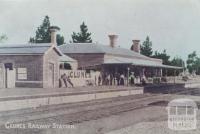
<point>121,79</point>
<point>118,79</point>
<point>107,79</point>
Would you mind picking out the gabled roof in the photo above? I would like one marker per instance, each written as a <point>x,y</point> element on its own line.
<point>95,48</point>
<point>23,49</point>
<point>121,55</point>
<point>32,49</point>
<point>104,49</point>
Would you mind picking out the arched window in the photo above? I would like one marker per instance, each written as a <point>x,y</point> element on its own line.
<point>67,66</point>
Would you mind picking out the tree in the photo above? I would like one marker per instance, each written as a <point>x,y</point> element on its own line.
<point>146,47</point>
<point>193,63</point>
<point>3,38</point>
<point>83,36</point>
<point>177,61</point>
<point>43,34</point>
<point>163,55</point>
<point>197,65</point>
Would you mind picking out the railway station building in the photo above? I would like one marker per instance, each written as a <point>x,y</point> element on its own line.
<point>111,59</point>
<point>41,65</point>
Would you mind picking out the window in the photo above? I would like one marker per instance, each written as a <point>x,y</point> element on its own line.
<point>9,66</point>
<point>21,73</point>
<point>67,66</point>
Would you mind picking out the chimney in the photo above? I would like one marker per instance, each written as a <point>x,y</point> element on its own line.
<point>136,46</point>
<point>53,30</point>
<point>113,40</point>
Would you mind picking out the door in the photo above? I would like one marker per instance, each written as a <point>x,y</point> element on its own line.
<point>51,75</point>
<point>2,76</point>
<point>9,75</point>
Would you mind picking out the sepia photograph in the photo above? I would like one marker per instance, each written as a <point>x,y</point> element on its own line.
<point>99,66</point>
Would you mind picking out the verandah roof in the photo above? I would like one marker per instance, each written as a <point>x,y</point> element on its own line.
<point>65,58</point>
<point>137,62</point>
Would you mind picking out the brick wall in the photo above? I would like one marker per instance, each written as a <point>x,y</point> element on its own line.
<point>85,60</point>
<point>33,64</point>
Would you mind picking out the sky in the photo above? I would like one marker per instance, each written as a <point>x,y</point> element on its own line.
<point>173,25</point>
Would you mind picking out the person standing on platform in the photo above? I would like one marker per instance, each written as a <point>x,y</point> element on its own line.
<point>122,79</point>
<point>132,79</point>
<point>143,80</point>
<point>99,80</point>
<point>108,79</point>
<point>118,78</point>
<point>64,78</point>
<point>111,79</point>
<point>70,82</point>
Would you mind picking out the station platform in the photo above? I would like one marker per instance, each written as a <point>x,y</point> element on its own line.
<point>22,98</point>
<point>17,92</point>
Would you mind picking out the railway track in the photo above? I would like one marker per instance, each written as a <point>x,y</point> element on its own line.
<point>193,91</point>
<point>54,108</point>
<point>79,112</point>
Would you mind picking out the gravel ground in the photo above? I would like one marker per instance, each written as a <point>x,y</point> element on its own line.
<point>152,128</point>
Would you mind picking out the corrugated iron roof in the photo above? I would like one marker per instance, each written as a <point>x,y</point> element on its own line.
<point>138,59</point>
<point>137,62</point>
<point>31,49</point>
<point>97,48</point>
<point>65,58</point>
<point>39,48</point>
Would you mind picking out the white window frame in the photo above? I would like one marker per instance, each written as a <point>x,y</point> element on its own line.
<point>22,73</point>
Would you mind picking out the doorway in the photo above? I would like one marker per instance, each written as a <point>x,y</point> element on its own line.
<point>9,75</point>
<point>51,75</point>
<point>2,76</point>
